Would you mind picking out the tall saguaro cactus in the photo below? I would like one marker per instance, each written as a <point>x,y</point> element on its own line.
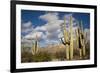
<point>35,46</point>
<point>83,40</point>
<point>79,40</point>
<point>71,38</point>
<point>65,42</point>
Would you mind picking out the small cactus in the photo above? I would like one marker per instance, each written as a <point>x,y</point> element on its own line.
<point>35,46</point>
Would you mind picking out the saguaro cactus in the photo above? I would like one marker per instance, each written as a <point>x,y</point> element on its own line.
<point>71,38</point>
<point>78,40</point>
<point>65,41</point>
<point>83,40</point>
<point>77,34</point>
<point>35,46</point>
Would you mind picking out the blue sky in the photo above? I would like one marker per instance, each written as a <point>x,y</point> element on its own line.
<point>46,23</point>
<point>28,15</point>
<point>33,16</point>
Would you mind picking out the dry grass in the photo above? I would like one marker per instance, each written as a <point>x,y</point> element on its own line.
<point>51,53</point>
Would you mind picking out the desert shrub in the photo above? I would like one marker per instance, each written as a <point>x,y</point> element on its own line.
<point>61,55</point>
<point>38,57</point>
<point>26,57</point>
<point>42,57</point>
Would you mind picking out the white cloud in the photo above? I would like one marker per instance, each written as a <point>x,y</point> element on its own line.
<point>34,35</point>
<point>53,25</point>
<point>40,28</point>
<point>51,28</point>
<point>49,17</point>
<point>26,27</point>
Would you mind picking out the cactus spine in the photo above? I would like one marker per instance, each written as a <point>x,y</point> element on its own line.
<point>35,46</point>
<point>71,38</point>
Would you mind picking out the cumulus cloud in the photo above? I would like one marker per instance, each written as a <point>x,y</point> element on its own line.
<point>34,35</point>
<point>49,17</point>
<point>26,27</point>
<point>40,28</point>
<point>53,24</point>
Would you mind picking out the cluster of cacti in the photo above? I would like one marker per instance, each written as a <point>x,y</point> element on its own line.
<point>81,40</point>
<point>35,46</point>
<point>68,40</point>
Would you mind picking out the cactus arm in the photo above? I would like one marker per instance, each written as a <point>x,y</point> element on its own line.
<point>35,46</point>
<point>65,33</point>
<point>83,40</point>
<point>63,41</point>
<point>84,50</point>
<point>77,35</point>
<point>33,49</point>
<point>71,38</point>
<point>77,38</point>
